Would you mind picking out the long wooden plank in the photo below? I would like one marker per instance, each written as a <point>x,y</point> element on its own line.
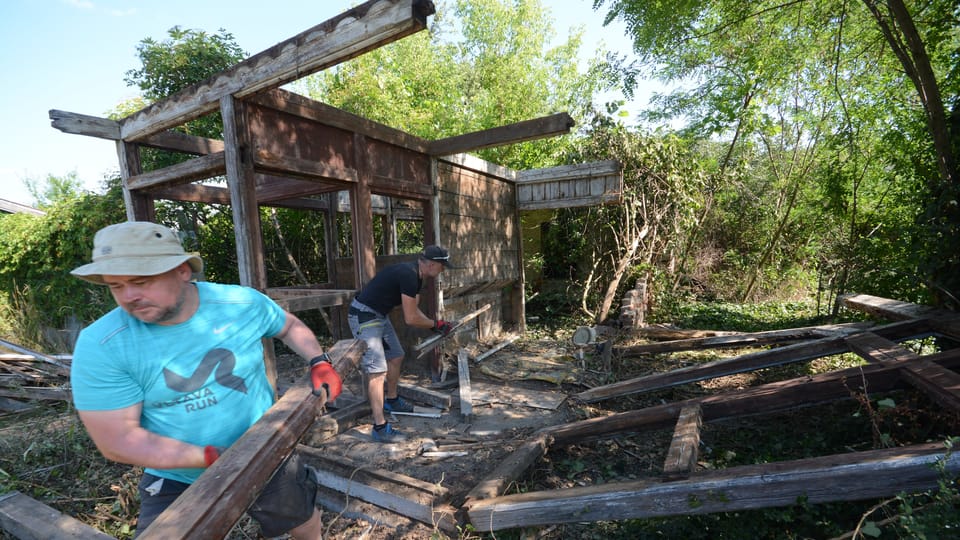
<point>684,449</point>
<point>214,503</point>
<point>846,477</point>
<point>29,519</point>
<point>365,27</point>
<point>748,362</point>
<point>405,495</point>
<point>538,128</point>
<point>874,348</point>
<point>749,339</point>
<point>894,310</point>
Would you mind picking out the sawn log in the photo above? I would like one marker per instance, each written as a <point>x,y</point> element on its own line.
<point>218,499</point>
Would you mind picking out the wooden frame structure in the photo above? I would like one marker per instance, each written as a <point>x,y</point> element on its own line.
<point>284,150</point>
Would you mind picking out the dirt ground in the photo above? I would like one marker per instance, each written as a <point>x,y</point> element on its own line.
<point>514,392</point>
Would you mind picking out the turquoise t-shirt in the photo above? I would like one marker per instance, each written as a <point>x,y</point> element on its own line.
<point>202,381</point>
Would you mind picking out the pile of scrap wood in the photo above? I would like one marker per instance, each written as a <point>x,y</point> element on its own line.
<point>28,376</point>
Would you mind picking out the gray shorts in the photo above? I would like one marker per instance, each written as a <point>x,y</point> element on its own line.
<point>377,332</point>
<point>287,501</point>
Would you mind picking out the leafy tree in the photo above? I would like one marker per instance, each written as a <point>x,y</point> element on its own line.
<point>38,252</point>
<point>641,238</point>
<point>881,116</point>
<point>54,189</point>
<point>493,66</point>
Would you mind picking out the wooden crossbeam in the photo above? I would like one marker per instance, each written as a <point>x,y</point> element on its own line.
<point>538,128</point>
<point>684,449</point>
<point>217,500</point>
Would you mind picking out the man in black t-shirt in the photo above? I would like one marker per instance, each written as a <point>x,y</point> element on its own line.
<point>396,285</point>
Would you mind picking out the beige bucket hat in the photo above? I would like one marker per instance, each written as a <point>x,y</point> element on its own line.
<point>135,248</point>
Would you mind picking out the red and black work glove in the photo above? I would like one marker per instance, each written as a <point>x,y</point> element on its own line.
<point>323,376</point>
<point>442,327</point>
<point>211,453</point>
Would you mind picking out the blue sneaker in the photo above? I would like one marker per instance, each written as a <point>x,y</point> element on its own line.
<point>396,405</point>
<point>387,435</point>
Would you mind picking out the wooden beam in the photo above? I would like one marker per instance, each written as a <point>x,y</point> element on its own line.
<point>751,339</point>
<point>886,308</point>
<point>82,124</point>
<point>425,395</point>
<point>941,384</point>
<point>29,519</point>
<point>874,348</point>
<point>352,33</point>
<point>175,141</point>
<point>214,503</point>
<point>105,128</point>
<point>509,470</point>
<point>198,168</point>
<point>748,362</point>
<point>845,477</point>
<point>684,449</point>
<point>192,193</point>
<point>328,115</point>
<point>266,162</point>
<point>423,501</point>
<point>528,130</point>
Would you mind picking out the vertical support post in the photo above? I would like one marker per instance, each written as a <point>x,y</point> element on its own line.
<point>364,256</point>
<point>518,294</point>
<point>241,181</point>
<point>431,235</point>
<point>139,207</point>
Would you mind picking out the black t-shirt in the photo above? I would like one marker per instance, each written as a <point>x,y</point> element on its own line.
<point>384,290</point>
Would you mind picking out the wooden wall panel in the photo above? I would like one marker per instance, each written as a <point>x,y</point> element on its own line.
<point>479,225</point>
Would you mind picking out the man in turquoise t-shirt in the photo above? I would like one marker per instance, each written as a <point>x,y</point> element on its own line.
<point>175,373</point>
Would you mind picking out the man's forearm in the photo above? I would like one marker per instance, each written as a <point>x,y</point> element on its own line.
<point>147,449</point>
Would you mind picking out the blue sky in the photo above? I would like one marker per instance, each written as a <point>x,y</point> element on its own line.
<point>72,55</point>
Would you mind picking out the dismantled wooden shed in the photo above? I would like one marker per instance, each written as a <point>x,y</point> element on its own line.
<point>284,150</point>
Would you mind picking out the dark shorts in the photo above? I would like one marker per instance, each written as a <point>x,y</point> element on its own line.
<point>286,502</point>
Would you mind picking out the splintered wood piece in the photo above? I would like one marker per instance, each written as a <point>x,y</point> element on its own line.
<point>463,371</point>
<point>428,344</point>
<point>425,395</point>
<point>217,500</point>
<point>685,447</point>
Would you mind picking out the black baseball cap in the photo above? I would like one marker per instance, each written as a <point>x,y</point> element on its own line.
<point>437,253</point>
